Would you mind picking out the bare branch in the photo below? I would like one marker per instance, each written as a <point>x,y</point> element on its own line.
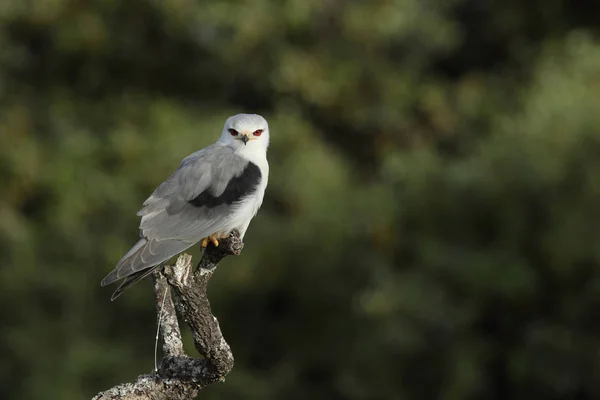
<point>179,376</point>
<point>165,312</point>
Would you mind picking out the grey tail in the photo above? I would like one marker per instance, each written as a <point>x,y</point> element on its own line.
<point>133,279</point>
<point>128,265</point>
<point>141,260</point>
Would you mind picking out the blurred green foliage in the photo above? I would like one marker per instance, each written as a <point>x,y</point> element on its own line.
<point>431,226</point>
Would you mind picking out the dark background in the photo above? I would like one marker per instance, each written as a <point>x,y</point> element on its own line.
<point>431,226</point>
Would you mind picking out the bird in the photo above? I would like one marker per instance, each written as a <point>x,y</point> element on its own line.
<point>214,191</point>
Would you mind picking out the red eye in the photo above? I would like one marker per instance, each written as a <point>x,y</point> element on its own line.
<point>258,132</point>
<point>233,132</point>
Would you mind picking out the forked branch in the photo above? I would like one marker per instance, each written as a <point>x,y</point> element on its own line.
<point>181,288</point>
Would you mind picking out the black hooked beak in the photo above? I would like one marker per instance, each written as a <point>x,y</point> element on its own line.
<point>245,139</point>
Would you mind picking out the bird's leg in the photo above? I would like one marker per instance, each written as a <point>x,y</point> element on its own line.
<point>212,239</point>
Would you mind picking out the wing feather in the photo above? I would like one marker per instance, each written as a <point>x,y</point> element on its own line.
<point>175,216</point>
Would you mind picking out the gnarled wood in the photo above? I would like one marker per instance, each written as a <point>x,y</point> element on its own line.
<point>179,376</point>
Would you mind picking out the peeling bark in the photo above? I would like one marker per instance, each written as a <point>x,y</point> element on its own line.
<point>180,377</point>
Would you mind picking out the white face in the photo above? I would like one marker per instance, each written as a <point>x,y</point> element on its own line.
<point>246,132</point>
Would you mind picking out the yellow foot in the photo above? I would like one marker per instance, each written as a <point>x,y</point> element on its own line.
<point>212,239</point>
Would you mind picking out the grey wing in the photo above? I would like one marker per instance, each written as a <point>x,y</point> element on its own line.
<point>193,203</point>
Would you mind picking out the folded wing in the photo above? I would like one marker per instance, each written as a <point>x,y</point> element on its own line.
<point>193,203</point>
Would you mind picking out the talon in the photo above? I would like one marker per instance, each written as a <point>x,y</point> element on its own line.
<point>210,239</point>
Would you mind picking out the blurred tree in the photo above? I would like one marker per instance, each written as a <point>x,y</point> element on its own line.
<point>430,226</point>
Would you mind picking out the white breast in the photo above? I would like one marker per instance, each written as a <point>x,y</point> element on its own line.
<point>247,209</point>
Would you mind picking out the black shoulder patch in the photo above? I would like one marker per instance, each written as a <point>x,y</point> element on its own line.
<point>237,188</point>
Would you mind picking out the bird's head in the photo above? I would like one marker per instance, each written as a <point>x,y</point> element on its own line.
<point>246,132</point>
